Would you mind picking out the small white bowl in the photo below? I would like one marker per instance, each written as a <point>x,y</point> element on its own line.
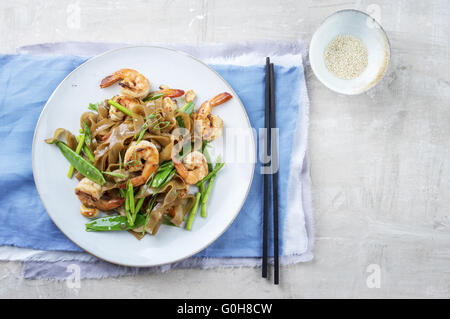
<point>371,34</point>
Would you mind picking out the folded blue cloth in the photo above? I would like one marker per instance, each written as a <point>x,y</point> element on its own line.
<point>26,82</point>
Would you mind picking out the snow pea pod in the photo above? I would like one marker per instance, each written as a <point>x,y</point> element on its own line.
<point>165,165</point>
<point>80,164</point>
<point>114,223</point>
<point>161,176</point>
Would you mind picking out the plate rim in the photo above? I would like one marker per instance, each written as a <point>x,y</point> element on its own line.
<point>33,154</point>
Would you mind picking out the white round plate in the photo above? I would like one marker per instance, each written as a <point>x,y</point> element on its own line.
<point>64,108</point>
<point>359,25</point>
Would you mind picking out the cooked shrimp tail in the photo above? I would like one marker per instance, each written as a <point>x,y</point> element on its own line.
<point>207,106</point>
<point>172,92</point>
<point>220,98</point>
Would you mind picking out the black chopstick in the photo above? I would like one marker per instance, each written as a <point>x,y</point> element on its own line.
<point>270,147</point>
<point>274,164</point>
<point>266,176</point>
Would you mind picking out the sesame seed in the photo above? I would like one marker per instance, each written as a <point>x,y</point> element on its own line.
<point>346,57</point>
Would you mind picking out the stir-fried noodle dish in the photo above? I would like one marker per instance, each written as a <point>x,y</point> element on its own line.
<point>142,156</point>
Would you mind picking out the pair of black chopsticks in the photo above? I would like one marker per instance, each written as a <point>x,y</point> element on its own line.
<point>271,148</point>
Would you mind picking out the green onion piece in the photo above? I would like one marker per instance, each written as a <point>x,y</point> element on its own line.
<point>153,96</point>
<point>81,139</point>
<point>120,161</point>
<point>207,192</point>
<point>187,108</point>
<point>184,152</point>
<point>141,135</point>
<point>93,107</point>
<point>204,145</point>
<point>88,133</point>
<point>130,162</point>
<point>131,200</point>
<point>202,192</point>
<point>214,172</point>
<point>152,202</point>
<point>143,129</point>
<point>157,116</point>
<point>207,156</point>
<point>205,196</point>
<point>149,211</point>
<point>120,107</point>
<point>127,204</point>
<point>193,212</point>
<point>139,204</point>
<point>159,127</point>
<point>147,217</point>
<point>88,153</point>
<point>180,121</point>
<point>115,174</point>
<point>169,178</point>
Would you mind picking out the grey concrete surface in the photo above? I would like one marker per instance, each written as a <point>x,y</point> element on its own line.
<point>380,160</point>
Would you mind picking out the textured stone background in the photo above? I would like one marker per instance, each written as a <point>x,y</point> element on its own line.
<point>380,160</point>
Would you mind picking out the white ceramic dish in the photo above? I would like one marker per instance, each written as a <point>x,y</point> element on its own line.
<point>369,31</point>
<point>71,99</point>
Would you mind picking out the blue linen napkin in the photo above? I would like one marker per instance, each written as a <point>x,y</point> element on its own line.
<point>27,81</point>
